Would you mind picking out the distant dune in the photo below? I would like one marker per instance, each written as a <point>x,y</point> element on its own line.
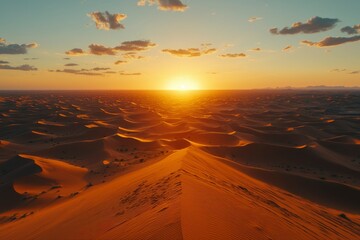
<point>267,164</point>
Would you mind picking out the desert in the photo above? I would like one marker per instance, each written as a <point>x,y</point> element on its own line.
<point>261,164</point>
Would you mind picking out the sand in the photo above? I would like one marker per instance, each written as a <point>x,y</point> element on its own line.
<point>180,165</point>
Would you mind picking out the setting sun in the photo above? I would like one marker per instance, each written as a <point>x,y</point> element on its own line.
<point>183,84</point>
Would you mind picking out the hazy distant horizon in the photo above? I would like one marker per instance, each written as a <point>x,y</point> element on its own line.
<point>195,90</point>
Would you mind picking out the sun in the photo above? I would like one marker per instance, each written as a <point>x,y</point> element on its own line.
<point>183,84</point>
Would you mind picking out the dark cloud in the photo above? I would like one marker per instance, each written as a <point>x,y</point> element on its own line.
<point>97,71</point>
<point>209,51</point>
<point>3,62</point>
<point>191,52</point>
<point>14,48</point>
<point>100,69</point>
<point>287,48</point>
<point>120,62</point>
<point>71,65</point>
<point>256,49</point>
<point>28,59</point>
<point>354,72</point>
<point>313,25</point>
<point>78,72</point>
<point>138,45</point>
<point>66,58</point>
<point>101,50</point>
<point>128,46</point>
<point>332,41</point>
<point>233,55</point>
<point>351,30</point>
<point>165,5</point>
<point>75,52</point>
<point>107,21</point>
<point>24,67</point>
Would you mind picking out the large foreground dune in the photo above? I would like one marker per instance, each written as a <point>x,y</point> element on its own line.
<point>201,165</point>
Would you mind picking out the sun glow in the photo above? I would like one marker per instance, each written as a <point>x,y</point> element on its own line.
<point>183,84</point>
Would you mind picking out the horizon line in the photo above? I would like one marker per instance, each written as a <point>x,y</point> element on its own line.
<point>197,90</point>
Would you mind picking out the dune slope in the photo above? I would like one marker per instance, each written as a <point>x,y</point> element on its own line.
<point>187,195</point>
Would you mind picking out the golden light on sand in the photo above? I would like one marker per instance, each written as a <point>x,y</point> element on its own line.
<point>183,83</point>
<point>173,155</point>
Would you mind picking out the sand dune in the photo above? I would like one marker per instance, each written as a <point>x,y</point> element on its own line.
<point>214,139</point>
<point>158,165</point>
<point>172,198</point>
<point>306,160</point>
<point>52,173</point>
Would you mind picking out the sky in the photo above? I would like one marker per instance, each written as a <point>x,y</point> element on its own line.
<point>178,44</point>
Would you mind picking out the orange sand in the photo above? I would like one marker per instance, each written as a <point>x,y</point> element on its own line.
<point>203,165</point>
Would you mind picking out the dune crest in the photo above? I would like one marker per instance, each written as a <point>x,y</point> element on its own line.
<point>187,195</point>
